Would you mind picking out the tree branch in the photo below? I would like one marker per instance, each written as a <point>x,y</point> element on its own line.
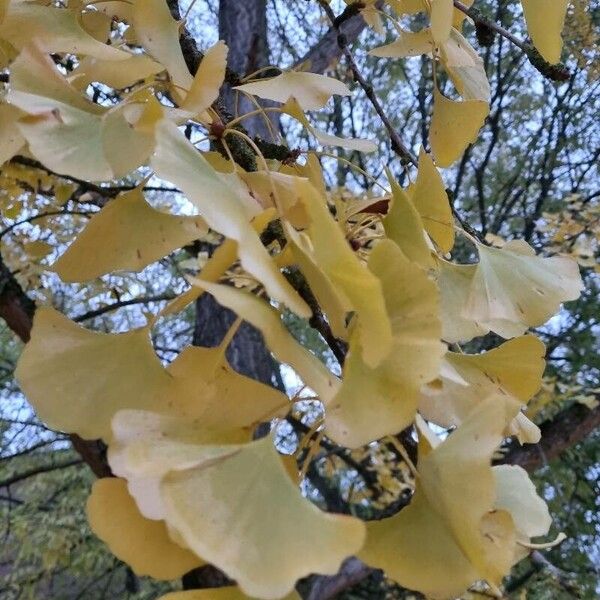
<point>560,433</point>
<point>398,145</point>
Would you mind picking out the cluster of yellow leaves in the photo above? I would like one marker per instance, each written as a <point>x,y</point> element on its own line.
<point>574,231</point>
<point>192,484</point>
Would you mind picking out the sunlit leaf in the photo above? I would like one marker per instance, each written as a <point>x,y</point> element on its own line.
<point>77,379</point>
<point>409,43</point>
<point>311,90</point>
<point>514,368</point>
<point>513,289</point>
<point>545,20</point>
<point>143,544</point>
<point>158,33</point>
<point>451,534</point>
<point>258,508</point>
<point>404,226</point>
<point>178,161</point>
<point>11,140</point>
<point>454,126</point>
<point>133,235</point>
<point>375,402</point>
<point>67,132</point>
<point>53,29</point>
<point>431,201</point>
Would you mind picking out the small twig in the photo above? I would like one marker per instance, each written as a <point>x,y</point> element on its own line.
<point>398,145</point>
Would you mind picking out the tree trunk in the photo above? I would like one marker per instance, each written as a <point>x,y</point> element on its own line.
<point>243,27</point>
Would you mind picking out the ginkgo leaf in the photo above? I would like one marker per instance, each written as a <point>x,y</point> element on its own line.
<point>11,140</point>
<point>428,194</point>
<point>206,402</point>
<point>116,74</point>
<point>442,12</point>
<point>451,534</point>
<point>465,67</point>
<point>145,545</point>
<point>545,20</point>
<point>513,289</point>
<point>516,493</point>
<point>409,43</point>
<point>454,282</point>
<point>77,379</point>
<point>261,532</point>
<point>278,338</point>
<point>54,29</point>
<point>178,161</point>
<point>375,402</point>
<point>404,226</point>
<point>454,126</point>
<point>333,304</point>
<point>311,90</point>
<point>207,81</point>
<point>514,368</point>
<point>292,108</point>
<point>158,33</point>
<point>227,593</point>
<point>362,288</point>
<point>133,235</point>
<point>221,403</point>
<point>67,132</point>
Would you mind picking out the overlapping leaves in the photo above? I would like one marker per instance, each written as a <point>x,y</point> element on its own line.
<point>193,483</point>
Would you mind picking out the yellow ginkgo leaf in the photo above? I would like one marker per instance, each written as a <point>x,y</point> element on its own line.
<point>158,33</point>
<point>77,379</point>
<point>133,234</point>
<point>465,67</point>
<point>442,13</point>
<point>227,593</point>
<point>279,340</point>
<point>207,81</point>
<point>404,226</point>
<point>513,289</point>
<point>53,29</point>
<point>333,304</point>
<point>143,544</point>
<point>311,90</point>
<point>429,196</point>
<point>67,132</point>
<point>221,403</point>
<point>454,126</point>
<point>335,258</point>
<point>376,402</point>
<point>11,140</point>
<point>116,74</point>
<point>277,537</point>
<point>454,282</point>
<point>178,161</point>
<point>409,43</point>
<point>451,534</point>
<point>292,108</point>
<point>206,402</point>
<point>545,20</point>
<point>514,368</point>
<point>516,493</point>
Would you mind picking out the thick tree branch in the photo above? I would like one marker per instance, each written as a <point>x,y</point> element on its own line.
<point>560,433</point>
